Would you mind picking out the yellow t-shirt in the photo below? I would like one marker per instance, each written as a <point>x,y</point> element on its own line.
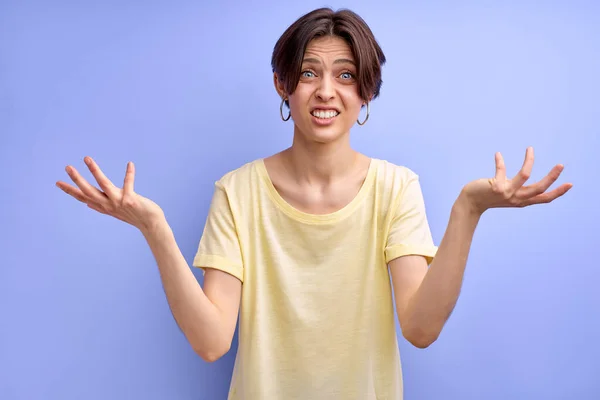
<point>317,318</point>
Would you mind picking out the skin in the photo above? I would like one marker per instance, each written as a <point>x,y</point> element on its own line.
<point>319,173</point>
<point>427,296</point>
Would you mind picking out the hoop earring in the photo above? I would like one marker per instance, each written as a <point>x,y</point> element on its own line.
<point>281,110</point>
<point>366,118</point>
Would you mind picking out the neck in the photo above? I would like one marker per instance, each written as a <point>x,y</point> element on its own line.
<point>320,163</point>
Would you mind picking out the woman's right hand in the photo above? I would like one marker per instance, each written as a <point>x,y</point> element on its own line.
<point>123,204</point>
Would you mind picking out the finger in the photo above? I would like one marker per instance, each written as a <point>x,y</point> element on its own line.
<point>500,168</point>
<point>548,196</point>
<point>105,184</point>
<point>129,179</point>
<point>88,190</point>
<point>541,186</point>
<point>525,172</point>
<point>72,191</point>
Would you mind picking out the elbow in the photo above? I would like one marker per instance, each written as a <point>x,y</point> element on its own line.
<point>214,353</point>
<point>210,357</point>
<point>421,342</point>
<point>420,338</point>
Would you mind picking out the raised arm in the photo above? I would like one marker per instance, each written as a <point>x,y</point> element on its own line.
<point>206,317</point>
<point>425,297</point>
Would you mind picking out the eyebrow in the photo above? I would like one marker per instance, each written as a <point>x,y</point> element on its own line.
<point>338,61</point>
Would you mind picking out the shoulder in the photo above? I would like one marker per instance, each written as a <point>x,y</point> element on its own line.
<point>393,178</point>
<point>399,190</point>
<point>242,178</point>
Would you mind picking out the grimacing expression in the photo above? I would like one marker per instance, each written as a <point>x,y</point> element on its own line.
<point>326,102</point>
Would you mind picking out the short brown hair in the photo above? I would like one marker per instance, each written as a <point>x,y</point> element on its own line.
<point>289,49</point>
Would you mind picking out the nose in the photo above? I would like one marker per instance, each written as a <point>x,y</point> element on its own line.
<point>326,90</point>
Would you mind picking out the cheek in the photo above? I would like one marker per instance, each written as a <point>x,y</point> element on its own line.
<point>296,109</point>
<point>298,102</point>
<point>354,108</point>
<point>352,101</point>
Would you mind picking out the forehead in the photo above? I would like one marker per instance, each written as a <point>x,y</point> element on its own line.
<point>329,47</point>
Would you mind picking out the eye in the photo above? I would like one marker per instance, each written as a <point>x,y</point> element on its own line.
<point>347,75</point>
<point>307,74</point>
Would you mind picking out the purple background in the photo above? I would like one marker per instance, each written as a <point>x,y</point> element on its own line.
<point>185,90</point>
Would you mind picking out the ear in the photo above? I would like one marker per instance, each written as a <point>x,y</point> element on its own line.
<point>279,86</point>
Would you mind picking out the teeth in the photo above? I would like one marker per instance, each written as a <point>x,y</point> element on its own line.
<point>324,114</point>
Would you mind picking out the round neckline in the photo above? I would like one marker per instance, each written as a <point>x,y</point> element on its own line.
<point>310,218</point>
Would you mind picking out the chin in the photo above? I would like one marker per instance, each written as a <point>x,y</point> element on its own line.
<point>324,136</point>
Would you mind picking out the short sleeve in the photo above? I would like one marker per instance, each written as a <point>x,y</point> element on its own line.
<point>409,232</point>
<point>219,246</point>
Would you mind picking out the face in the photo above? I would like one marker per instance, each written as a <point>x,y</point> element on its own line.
<point>326,103</point>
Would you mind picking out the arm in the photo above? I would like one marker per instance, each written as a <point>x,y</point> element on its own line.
<point>426,297</point>
<point>207,317</point>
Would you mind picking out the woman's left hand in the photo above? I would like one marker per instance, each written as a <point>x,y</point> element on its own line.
<point>496,192</point>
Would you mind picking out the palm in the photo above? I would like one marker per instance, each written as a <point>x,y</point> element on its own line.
<point>502,192</point>
<point>121,203</point>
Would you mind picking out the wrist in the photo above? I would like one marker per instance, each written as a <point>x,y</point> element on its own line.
<point>465,207</point>
<point>154,226</point>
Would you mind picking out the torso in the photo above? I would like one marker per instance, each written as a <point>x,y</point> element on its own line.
<point>317,316</point>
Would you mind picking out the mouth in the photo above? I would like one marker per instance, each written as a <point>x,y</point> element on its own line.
<point>324,115</point>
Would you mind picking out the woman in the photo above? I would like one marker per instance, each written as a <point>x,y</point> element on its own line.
<point>302,244</point>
